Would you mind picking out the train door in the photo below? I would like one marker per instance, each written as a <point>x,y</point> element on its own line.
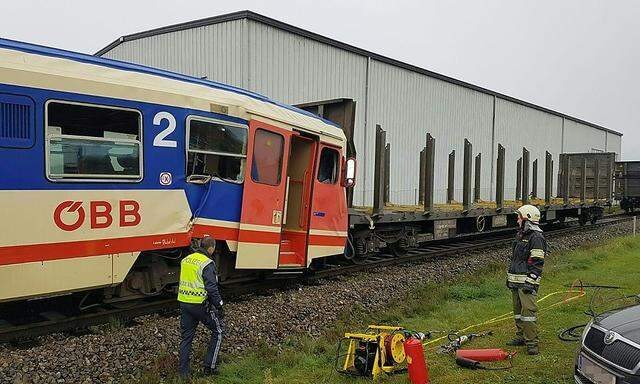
<point>263,197</point>
<point>293,247</point>
<point>329,216</point>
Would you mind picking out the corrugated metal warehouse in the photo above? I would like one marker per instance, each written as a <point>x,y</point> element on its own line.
<point>296,66</point>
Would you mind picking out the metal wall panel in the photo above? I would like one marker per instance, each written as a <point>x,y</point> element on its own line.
<point>518,126</point>
<point>295,70</point>
<point>582,138</point>
<point>614,144</point>
<point>408,105</point>
<point>216,51</point>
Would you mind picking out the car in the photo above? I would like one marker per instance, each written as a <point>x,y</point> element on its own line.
<point>610,349</point>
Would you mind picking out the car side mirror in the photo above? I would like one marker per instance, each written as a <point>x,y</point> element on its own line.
<point>349,180</point>
<point>198,179</point>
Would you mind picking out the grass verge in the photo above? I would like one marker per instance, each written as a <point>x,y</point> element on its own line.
<point>469,300</point>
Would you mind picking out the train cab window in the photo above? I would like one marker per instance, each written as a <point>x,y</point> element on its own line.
<point>328,167</point>
<point>268,148</point>
<point>90,142</point>
<point>217,149</point>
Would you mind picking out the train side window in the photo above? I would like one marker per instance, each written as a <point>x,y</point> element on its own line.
<point>328,167</point>
<point>217,149</point>
<point>87,142</point>
<point>268,148</point>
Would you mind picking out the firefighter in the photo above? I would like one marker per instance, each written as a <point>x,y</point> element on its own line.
<point>523,277</point>
<point>200,302</point>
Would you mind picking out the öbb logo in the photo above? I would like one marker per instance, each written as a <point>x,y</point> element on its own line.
<point>100,214</point>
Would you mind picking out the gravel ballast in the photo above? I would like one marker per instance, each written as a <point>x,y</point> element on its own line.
<point>114,354</point>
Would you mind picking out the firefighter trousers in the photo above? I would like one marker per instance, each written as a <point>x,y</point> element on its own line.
<point>190,316</point>
<point>525,310</point>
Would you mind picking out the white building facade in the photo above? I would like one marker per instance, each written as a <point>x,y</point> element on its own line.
<point>296,66</point>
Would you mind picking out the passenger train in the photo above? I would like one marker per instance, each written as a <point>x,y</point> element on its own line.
<point>110,170</point>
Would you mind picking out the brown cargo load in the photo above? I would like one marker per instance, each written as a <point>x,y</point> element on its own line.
<point>586,175</point>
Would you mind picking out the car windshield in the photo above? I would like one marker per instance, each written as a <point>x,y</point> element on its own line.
<point>606,301</point>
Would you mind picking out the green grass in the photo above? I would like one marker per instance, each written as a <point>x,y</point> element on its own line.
<point>469,300</point>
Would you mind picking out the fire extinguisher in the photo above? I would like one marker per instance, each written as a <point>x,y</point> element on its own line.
<point>471,358</point>
<point>416,363</point>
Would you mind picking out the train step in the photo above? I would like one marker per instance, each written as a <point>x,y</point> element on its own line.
<point>291,258</point>
<point>290,271</point>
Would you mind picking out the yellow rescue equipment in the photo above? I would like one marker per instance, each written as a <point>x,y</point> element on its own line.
<point>380,349</point>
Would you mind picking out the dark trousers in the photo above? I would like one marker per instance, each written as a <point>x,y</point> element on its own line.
<point>190,316</point>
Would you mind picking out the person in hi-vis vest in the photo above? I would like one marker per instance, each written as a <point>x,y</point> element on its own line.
<point>200,302</point>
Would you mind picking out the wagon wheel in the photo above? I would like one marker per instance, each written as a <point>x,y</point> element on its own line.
<point>582,220</point>
<point>358,253</point>
<point>398,248</point>
<point>481,223</point>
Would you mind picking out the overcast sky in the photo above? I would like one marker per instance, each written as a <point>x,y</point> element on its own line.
<point>580,57</point>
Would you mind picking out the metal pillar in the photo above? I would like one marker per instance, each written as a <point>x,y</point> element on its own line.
<point>429,161</point>
<point>525,176</point>
<point>451,177</point>
<point>566,177</point>
<point>387,172</point>
<point>583,176</point>
<point>379,177</point>
<point>596,182</point>
<point>421,179</point>
<point>534,180</point>
<point>519,179</point>
<point>476,178</point>
<point>500,178</point>
<point>551,177</point>
<point>548,178</point>
<point>466,176</point>
<point>610,182</point>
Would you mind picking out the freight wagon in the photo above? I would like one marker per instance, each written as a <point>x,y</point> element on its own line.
<point>627,179</point>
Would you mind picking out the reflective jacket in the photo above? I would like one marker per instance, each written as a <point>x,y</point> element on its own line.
<point>198,280</point>
<point>527,259</point>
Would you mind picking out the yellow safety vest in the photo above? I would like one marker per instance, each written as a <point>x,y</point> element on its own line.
<point>191,289</point>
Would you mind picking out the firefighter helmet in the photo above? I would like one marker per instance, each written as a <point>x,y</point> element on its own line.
<point>529,212</point>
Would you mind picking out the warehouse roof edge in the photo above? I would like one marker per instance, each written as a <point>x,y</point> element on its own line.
<point>246,14</point>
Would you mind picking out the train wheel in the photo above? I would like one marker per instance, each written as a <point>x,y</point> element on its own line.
<point>399,248</point>
<point>360,254</point>
<point>582,220</point>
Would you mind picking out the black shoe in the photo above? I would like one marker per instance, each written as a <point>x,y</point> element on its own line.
<point>532,350</point>
<point>210,372</point>
<point>517,342</point>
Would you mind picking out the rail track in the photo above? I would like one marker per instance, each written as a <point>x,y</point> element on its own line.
<point>47,321</point>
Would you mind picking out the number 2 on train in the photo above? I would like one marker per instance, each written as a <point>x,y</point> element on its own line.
<point>160,139</point>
